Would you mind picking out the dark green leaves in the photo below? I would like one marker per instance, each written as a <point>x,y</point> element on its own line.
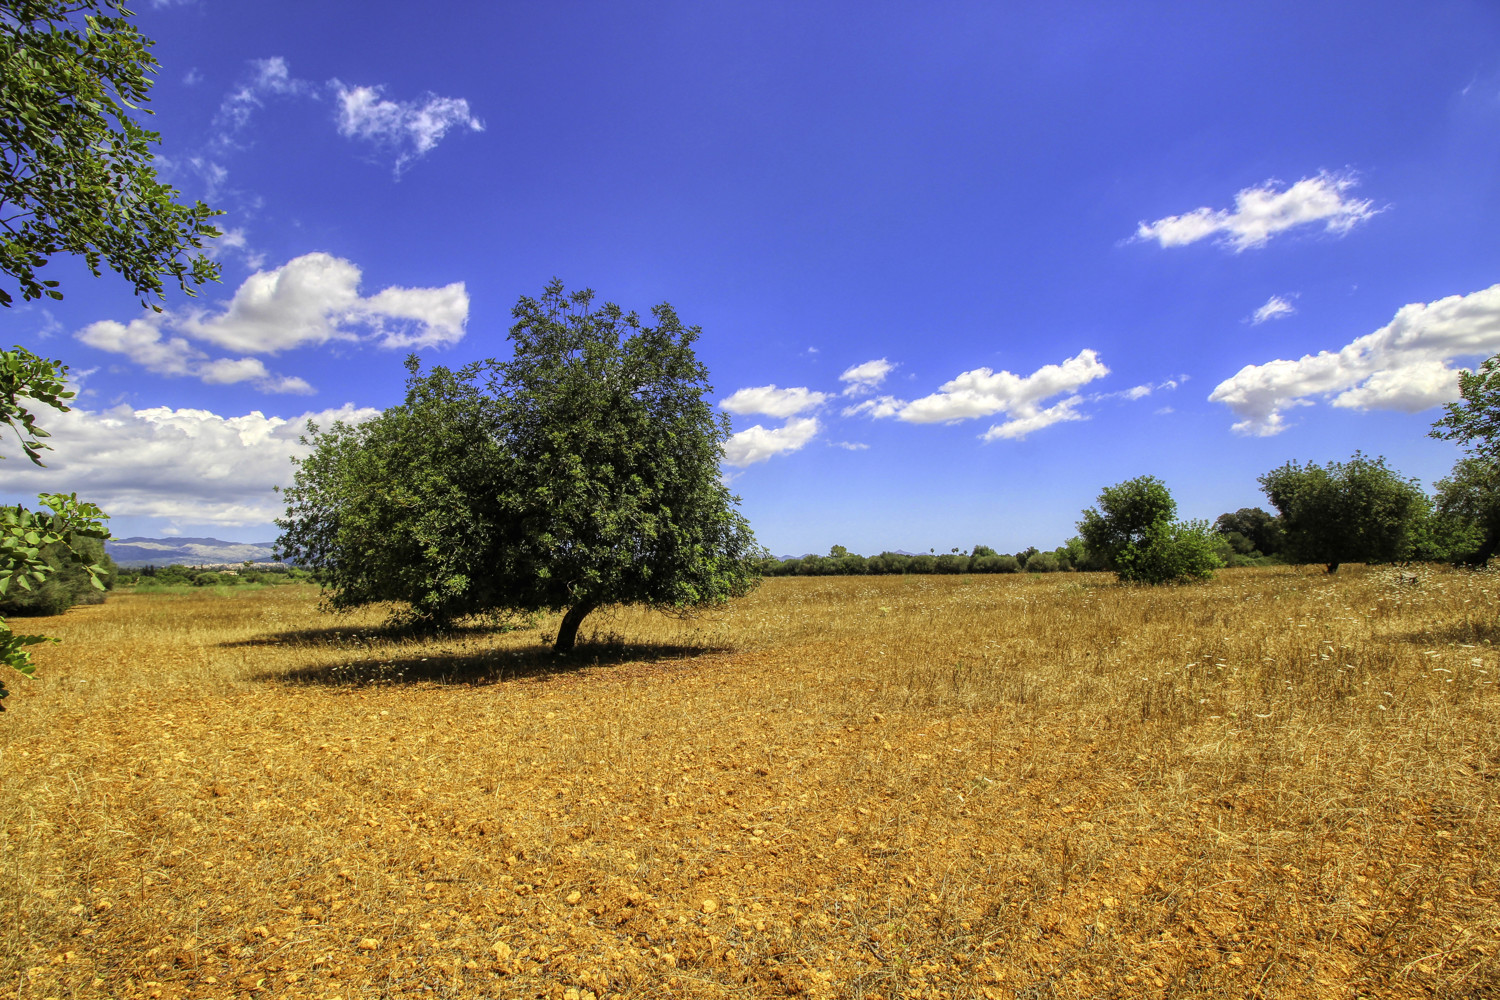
<point>1355,511</point>
<point>23,376</point>
<point>1134,532</point>
<point>77,174</point>
<point>582,471</point>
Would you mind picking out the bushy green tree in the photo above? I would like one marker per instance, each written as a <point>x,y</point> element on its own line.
<point>1125,516</point>
<point>950,562</point>
<point>1355,511</point>
<point>1081,558</point>
<point>1043,562</point>
<point>1134,531</point>
<point>583,471</point>
<point>1467,516</point>
<point>1465,522</point>
<point>1170,552</point>
<point>1257,531</point>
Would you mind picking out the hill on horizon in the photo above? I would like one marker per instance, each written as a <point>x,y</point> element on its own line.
<point>141,551</point>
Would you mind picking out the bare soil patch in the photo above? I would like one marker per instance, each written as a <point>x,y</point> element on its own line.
<point>1279,784</point>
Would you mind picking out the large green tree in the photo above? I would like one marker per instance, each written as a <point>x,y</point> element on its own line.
<point>403,508</point>
<point>1356,511</point>
<point>581,472</point>
<point>1468,499</point>
<point>77,172</point>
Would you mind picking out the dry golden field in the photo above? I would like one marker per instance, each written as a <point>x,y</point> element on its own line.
<point>1279,784</point>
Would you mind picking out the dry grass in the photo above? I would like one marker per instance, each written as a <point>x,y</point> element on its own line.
<point>1279,784</point>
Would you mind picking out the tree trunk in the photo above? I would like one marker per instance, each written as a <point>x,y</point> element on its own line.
<point>1333,567</point>
<point>567,632</point>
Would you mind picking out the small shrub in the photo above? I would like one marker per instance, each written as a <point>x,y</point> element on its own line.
<point>1043,562</point>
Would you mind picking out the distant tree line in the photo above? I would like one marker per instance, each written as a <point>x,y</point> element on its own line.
<point>1356,511</point>
<point>981,559</point>
<point>178,575</point>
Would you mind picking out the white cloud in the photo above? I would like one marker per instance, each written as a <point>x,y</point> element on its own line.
<point>1136,392</point>
<point>866,377</point>
<point>773,402</point>
<point>193,465</point>
<point>1275,308</point>
<point>412,128</point>
<point>270,77</point>
<point>982,392</point>
<point>417,317</point>
<point>880,406</point>
<point>310,300</point>
<point>315,298</point>
<point>234,241</point>
<point>1014,430</point>
<point>1262,212</point>
<point>757,444</point>
<point>1405,365</point>
<point>851,445</point>
<point>142,342</point>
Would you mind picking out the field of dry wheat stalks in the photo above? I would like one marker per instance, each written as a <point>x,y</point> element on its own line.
<point>1278,784</point>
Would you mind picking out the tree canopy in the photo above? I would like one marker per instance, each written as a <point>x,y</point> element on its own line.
<point>1355,511</point>
<point>77,172</point>
<point>1124,517</point>
<point>1134,531</point>
<point>581,472</point>
<point>1260,529</point>
<point>1468,499</point>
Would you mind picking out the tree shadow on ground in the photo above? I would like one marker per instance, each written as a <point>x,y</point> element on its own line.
<point>354,636</point>
<point>1469,633</point>
<point>482,667</point>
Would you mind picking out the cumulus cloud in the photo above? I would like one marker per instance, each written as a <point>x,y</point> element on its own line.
<point>773,402</point>
<point>982,393</point>
<point>851,445</point>
<point>192,465</point>
<point>143,342</point>
<point>1275,308</point>
<point>865,378</point>
<point>411,128</point>
<point>1405,365</point>
<point>880,406</point>
<point>315,298</point>
<point>310,300</point>
<point>1262,212</point>
<point>1019,427</point>
<point>757,444</point>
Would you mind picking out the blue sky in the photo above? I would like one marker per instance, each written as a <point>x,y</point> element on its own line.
<point>958,266</point>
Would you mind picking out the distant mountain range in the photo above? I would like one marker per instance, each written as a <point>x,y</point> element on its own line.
<point>187,551</point>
